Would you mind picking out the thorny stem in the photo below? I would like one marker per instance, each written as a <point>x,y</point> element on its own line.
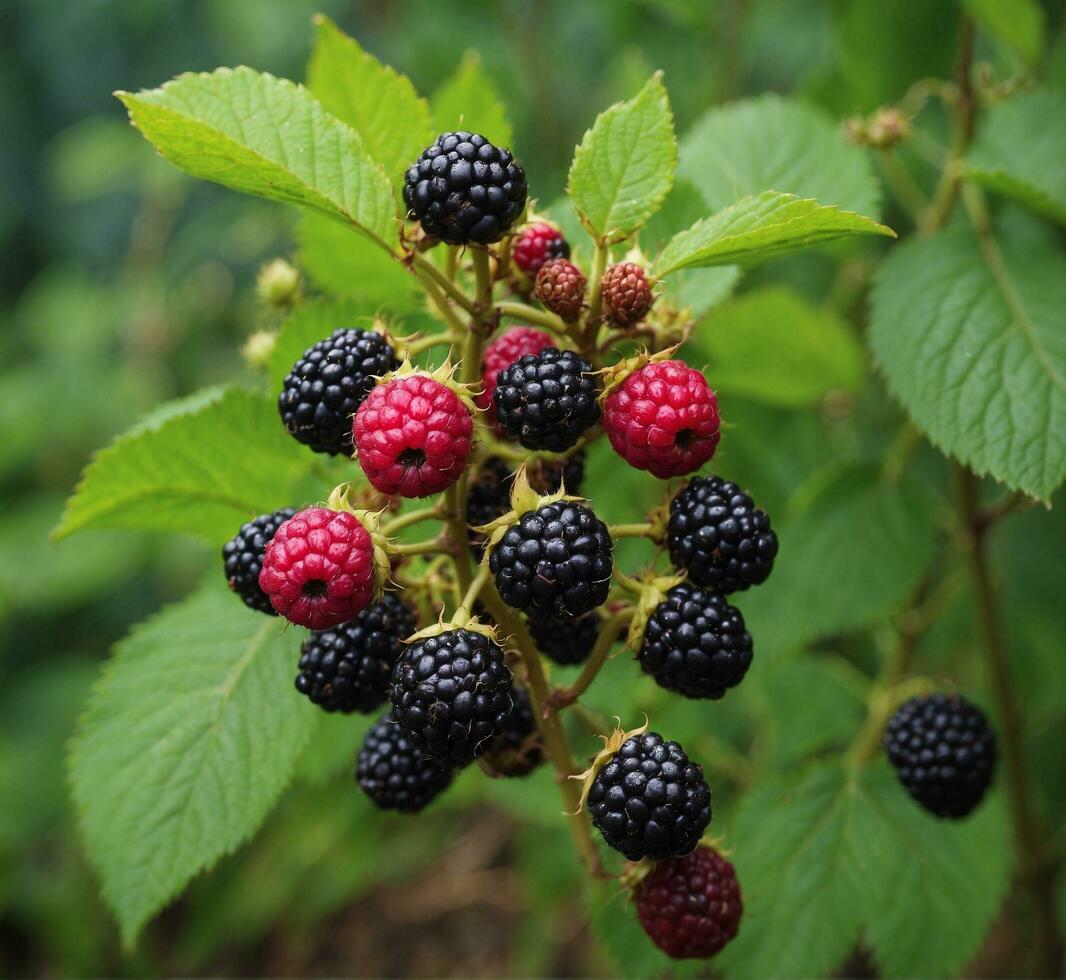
<point>609,633</point>
<point>1038,870</point>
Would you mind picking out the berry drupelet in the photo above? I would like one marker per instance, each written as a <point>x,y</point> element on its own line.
<point>556,561</point>
<point>453,694</point>
<point>327,385</point>
<point>546,401</point>
<point>394,773</point>
<point>719,536</point>
<point>243,558</point>
<point>944,752</point>
<point>695,643</point>
<point>648,800</point>
<point>349,667</point>
<point>464,190</point>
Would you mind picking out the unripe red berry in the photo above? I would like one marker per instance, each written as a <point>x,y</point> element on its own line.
<point>536,244</point>
<point>560,286</point>
<point>626,293</point>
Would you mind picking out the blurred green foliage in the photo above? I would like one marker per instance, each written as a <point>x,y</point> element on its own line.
<point>124,284</point>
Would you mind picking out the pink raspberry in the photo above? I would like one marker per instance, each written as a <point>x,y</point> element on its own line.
<point>690,906</point>
<point>412,436</point>
<point>318,570</point>
<point>663,418</point>
<point>507,348</point>
<point>535,244</point>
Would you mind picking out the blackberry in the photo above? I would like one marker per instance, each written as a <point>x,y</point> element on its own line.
<point>648,800</point>
<point>518,750</point>
<point>452,692</point>
<point>556,561</point>
<point>719,536</point>
<point>566,641</point>
<point>328,383</point>
<point>243,558</point>
<point>547,400</point>
<point>463,189</point>
<point>348,668</point>
<point>695,643</point>
<point>394,773</point>
<point>944,752</point>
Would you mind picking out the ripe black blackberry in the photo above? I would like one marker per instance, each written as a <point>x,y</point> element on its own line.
<point>566,641</point>
<point>243,558</point>
<point>555,562</point>
<point>718,535</point>
<point>394,773</point>
<point>547,400</point>
<point>944,752</point>
<point>649,800</point>
<point>695,643</point>
<point>453,694</point>
<point>518,750</point>
<point>463,189</point>
<point>348,668</point>
<point>328,383</point>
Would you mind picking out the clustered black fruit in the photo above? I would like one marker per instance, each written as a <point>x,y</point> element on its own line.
<point>566,641</point>
<point>328,383</point>
<point>349,667</point>
<point>463,189</point>
<point>695,643</point>
<point>453,693</point>
<point>518,750</point>
<point>393,772</point>
<point>556,561</point>
<point>648,800</point>
<point>719,536</point>
<point>943,751</point>
<point>546,401</point>
<point>243,557</point>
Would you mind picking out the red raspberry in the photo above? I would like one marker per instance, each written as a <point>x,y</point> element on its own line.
<point>626,294</point>
<point>536,244</point>
<point>663,418</point>
<point>318,569</point>
<point>690,906</point>
<point>560,286</point>
<point>412,436</point>
<point>507,348</point>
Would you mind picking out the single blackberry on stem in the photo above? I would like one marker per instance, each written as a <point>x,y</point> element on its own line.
<point>349,667</point>
<point>546,401</point>
<point>649,800</point>
<point>464,190</point>
<point>326,386</point>
<point>566,641</point>
<point>944,753</point>
<point>718,535</point>
<point>453,694</point>
<point>392,771</point>
<point>243,558</point>
<point>556,561</point>
<point>695,643</point>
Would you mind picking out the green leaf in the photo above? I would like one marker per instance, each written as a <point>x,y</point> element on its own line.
<point>202,470</point>
<point>382,106</point>
<point>969,336</point>
<point>775,347</point>
<point>1020,152</point>
<point>856,521</point>
<point>266,136</point>
<point>624,167</point>
<point>825,856</point>
<point>306,325</point>
<point>758,228</point>
<point>781,144</point>
<point>468,100</point>
<point>189,737</point>
<point>1018,23</point>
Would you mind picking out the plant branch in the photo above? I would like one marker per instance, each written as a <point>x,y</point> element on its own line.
<point>523,311</point>
<point>644,530</point>
<point>466,605</point>
<point>426,268</point>
<point>592,315</point>
<point>440,303</point>
<point>412,517</point>
<point>609,631</point>
<point>425,343</point>
<point>432,546</point>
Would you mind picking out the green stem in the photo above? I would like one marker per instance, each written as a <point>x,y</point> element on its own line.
<point>609,632</point>
<point>592,315</point>
<point>644,530</point>
<point>440,303</point>
<point>425,268</point>
<point>426,343</point>
<point>471,594</point>
<point>434,546</point>
<point>542,318</point>
<point>412,517</point>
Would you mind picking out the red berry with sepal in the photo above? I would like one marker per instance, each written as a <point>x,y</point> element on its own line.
<point>412,436</point>
<point>626,293</point>
<point>690,906</point>
<point>319,569</point>
<point>560,286</point>
<point>536,244</point>
<point>663,418</point>
<point>507,348</point>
